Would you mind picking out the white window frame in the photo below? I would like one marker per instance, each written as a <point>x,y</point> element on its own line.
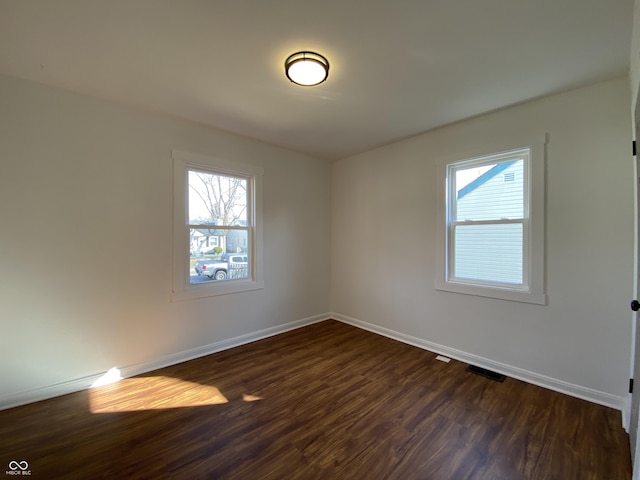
<point>532,288</point>
<point>182,289</point>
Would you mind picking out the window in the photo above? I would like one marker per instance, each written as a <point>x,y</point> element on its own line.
<point>491,226</point>
<point>217,227</point>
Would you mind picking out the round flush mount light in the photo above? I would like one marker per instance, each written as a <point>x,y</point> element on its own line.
<point>306,68</point>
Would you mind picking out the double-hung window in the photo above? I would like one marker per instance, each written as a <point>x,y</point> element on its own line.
<point>492,224</point>
<point>217,227</point>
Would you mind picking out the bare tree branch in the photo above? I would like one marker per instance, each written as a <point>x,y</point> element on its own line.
<point>224,197</point>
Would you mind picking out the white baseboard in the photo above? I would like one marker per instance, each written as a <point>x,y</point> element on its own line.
<point>626,413</point>
<point>584,393</point>
<point>50,391</point>
<point>601,398</point>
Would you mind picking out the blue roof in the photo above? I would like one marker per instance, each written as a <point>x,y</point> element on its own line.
<point>484,178</point>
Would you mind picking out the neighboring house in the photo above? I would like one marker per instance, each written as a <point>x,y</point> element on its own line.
<point>205,239</point>
<point>236,240</point>
<point>231,241</point>
<point>496,194</point>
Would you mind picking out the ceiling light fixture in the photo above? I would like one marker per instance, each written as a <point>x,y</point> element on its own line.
<point>306,68</point>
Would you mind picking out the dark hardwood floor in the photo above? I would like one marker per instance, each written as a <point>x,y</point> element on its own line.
<point>328,401</point>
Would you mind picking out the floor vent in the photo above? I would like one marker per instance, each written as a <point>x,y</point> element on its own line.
<point>498,377</point>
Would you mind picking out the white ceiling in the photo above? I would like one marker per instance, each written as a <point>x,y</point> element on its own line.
<point>398,68</point>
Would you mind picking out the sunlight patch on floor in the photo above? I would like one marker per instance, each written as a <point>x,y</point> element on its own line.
<point>246,397</point>
<point>151,393</point>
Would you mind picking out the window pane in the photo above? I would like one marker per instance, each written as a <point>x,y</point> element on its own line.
<point>217,199</point>
<point>218,255</point>
<point>490,192</point>
<point>491,253</point>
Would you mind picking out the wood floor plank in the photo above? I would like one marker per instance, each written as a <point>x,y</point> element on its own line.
<point>328,401</point>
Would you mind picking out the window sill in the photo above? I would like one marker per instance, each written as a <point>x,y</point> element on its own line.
<point>193,292</point>
<point>493,292</point>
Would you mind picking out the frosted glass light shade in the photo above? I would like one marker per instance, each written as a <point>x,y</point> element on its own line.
<point>306,68</point>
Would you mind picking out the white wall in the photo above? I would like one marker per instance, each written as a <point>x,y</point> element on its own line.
<point>384,245</point>
<point>85,241</point>
<point>86,235</point>
<point>635,53</point>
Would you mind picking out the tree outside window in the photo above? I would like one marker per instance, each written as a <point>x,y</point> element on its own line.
<point>220,200</point>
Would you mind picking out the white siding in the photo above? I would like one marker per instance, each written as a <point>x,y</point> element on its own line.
<point>495,198</point>
<point>489,252</point>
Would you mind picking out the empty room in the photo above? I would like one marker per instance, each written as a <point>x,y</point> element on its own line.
<point>319,240</point>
